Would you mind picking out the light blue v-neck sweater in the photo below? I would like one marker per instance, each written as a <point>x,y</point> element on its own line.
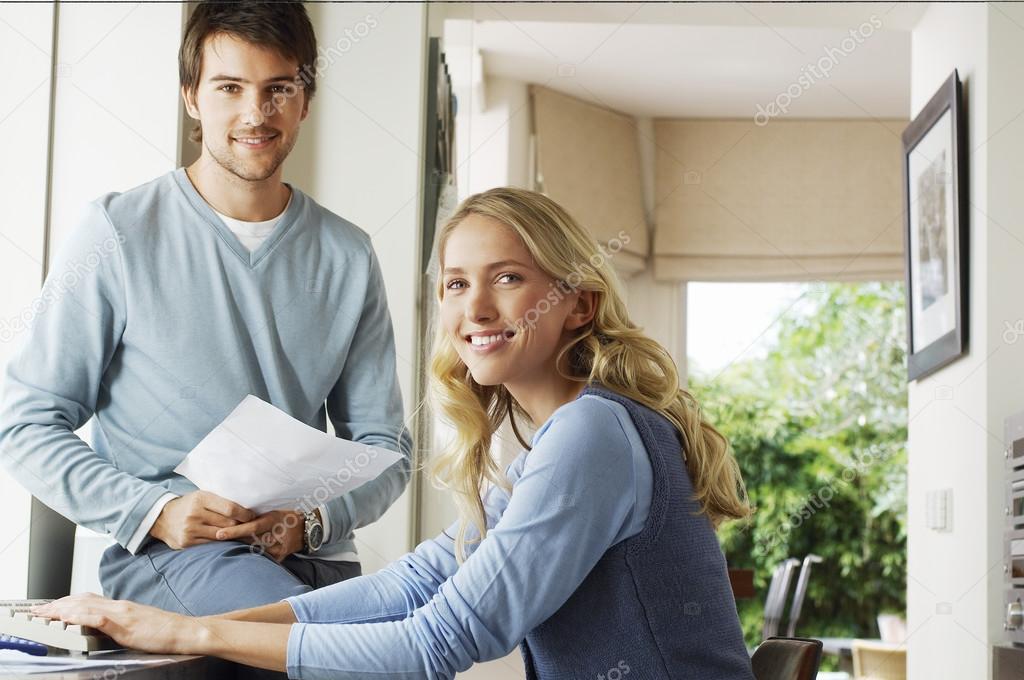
<point>158,321</point>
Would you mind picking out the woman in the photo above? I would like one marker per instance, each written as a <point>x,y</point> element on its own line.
<point>596,550</point>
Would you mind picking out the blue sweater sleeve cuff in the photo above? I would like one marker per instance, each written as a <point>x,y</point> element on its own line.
<point>339,517</point>
<point>293,660</point>
<point>298,608</point>
<point>138,512</point>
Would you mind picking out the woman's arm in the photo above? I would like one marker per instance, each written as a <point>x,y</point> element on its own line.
<point>278,612</point>
<point>397,590</point>
<point>259,636</point>
<point>577,497</point>
<point>264,645</point>
<point>149,629</point>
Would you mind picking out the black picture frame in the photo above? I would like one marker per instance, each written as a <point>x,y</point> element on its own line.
<point>936,231</point>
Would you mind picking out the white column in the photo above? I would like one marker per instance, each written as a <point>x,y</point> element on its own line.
<point>359,155</point>
<point>955,578</point>
<point>26,39</point>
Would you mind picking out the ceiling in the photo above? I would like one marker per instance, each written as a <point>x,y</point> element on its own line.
<point>816,61</point>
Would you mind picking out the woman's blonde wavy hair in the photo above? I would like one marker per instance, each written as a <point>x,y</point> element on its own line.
<point>609,350</point>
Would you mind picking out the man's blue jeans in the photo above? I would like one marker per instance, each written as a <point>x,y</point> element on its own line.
<point>212,578</point>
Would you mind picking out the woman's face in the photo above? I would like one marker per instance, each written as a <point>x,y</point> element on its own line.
<point>506,318</point>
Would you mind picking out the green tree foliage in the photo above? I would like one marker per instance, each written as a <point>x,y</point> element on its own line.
<point>819,427</point>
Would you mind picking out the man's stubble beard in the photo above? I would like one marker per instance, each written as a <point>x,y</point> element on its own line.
<point>230,161</point>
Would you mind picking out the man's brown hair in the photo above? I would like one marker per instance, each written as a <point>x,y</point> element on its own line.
<point>280,25</point>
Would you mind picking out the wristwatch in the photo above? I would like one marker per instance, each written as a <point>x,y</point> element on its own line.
<point>313,536</point>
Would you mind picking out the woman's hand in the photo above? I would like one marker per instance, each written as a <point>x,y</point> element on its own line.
<point>148,629</point>
<point>135,626</point>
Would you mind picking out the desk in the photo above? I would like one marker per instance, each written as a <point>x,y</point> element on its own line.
<point>178,668</point>
<point>1007,662</point>
<point>189,667</point>
<point>843,648</point>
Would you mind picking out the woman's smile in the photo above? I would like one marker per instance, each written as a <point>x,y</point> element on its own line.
<point>488,342</point>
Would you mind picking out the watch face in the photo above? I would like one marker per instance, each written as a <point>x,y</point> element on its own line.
<point>315,537</point>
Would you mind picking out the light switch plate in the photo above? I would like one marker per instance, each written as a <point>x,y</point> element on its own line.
<point>939,510</point>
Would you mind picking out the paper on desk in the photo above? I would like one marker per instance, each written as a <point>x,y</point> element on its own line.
<point>263,459</point>
<point>13,661</point>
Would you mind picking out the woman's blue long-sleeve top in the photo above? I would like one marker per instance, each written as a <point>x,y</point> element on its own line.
<point>585,485</point>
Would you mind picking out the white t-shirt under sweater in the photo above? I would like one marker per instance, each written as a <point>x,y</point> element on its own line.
<point>252,234</point>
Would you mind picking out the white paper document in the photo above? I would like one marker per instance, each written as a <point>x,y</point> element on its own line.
<point>15,662</point>
<point>263,459</point>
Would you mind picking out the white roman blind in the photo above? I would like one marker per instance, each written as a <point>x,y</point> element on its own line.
<point>787,201</point>
<point>588,160</point>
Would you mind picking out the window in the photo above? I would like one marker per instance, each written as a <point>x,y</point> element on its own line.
<point>808,382</point>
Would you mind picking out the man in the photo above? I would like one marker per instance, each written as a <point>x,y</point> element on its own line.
<point>202,286</point>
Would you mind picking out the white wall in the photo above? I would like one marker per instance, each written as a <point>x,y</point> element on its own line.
<point>497,138</point>
<point>1003,146</point>
<point>359,155</point>
<point>26,33</point>
<point>114,126</point>
<point>954,580</point>
<point>659,308</point>
<point>116,118</point>
<point>492,127</point>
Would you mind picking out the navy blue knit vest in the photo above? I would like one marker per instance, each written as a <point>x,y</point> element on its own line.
<point>657,605</point>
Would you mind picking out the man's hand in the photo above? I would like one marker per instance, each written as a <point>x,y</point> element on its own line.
<point>195,518</point>
<point>279,533</point>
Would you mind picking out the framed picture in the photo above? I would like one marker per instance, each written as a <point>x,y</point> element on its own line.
<point>937,238</point>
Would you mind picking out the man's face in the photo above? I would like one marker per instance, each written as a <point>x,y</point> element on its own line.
<point>248,105</point>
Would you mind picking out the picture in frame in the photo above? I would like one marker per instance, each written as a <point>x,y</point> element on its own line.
<point>935,200</point>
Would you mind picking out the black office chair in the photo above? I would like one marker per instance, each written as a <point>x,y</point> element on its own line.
<point>787,659</point>
<point>778,593</point>
<point>51,546</point>
<point>801,592</point>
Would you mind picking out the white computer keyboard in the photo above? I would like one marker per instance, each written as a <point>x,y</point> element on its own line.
<point>16,619</point>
